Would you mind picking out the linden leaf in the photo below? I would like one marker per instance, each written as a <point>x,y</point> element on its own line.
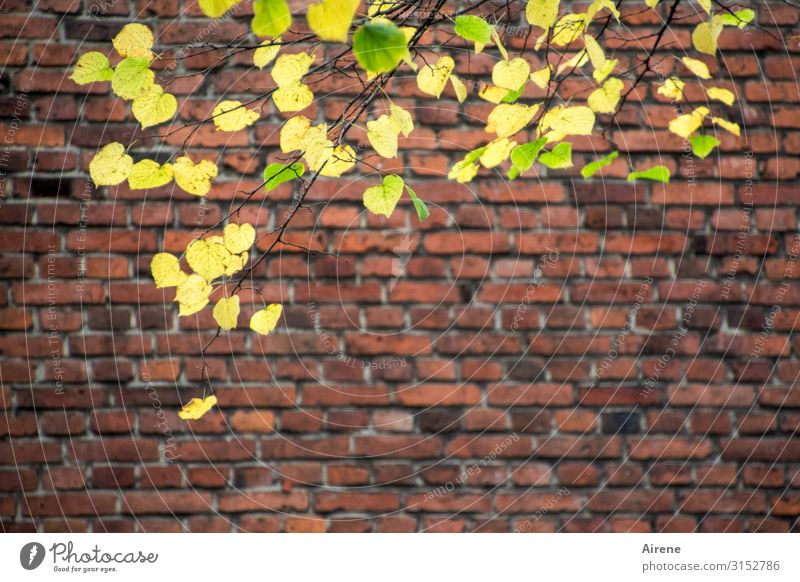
<point>92,67</point>
<point>294,97</point>
<point>265,320</point>
<point>740,18</point>
<point>577,120</point>
<point>419,205</point>
<point>699,68</point>
<point>149,174</point>
<point>379,46</point>
<point>226,312</point>
<point>592,168</point>
<point>166,271</point>
<point>728,126</point>
<point>685,125</point>
<point>134,40</point>
<point>656,174</point>
<point>542,13</point>
<point>576,62</point>
<point>196,408</point>
<point>568,29</point>
<point>216,8</point>
<point>595,52</point>
<point>720,94</point>
<point>132,78</point>
<point>606,98</point>
<point>705,35</point>
<point>341,160</point>
<point>511,74</point>
<point>382,136</point>
<point>507,119</point>
<point>432,79</point>
<point>672,89</point>
<point>290,69</point>
<point>493,94</point>
<point>292,133</point>
<point>194,178</point>
<point>702,145</point>
<point>111,165</point>
<point>458,88</point>
<point>277,174</point>
<point>266,53</point>
<point>497,151</point>
<point>463,171</point>
<point>317,148</point>
<point>207,258</point>
<point>541,78</point>
<point>238,238</point>
<point>382,199</point>
<point>271,18</point>
<point>192,294</point>
<point>604,71</point>
<point>233,116</point>
<point>154,107</point>
<point>558,158</point>
<point>401,120</point>
<point>475,29</point>
<point>331,19</point>
<point>523,156</point>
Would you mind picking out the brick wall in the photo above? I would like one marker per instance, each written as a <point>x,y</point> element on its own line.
<point>544,355</point>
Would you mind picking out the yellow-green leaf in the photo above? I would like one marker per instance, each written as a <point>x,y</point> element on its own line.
<point>382,136</point>
<point>192,294</point>
<point>699,68</point>
<point>511,74</point>
<point>432,79</point>
<point>149,174</point>
<point>270,18</point>
<point>134,40</point>
<point>541,78</point>
<point>166,271</point>
<point>265,320</point>
<point>154,106</point>
<point>294,97</point>
<point>92,67</point>
<point>606,98</point>
<point>568,29</point>
<point>216,8</point>
<point>331,19</point>
<point>542,13</point>
<point>686,125</point>
<point>720,94</point>
<point>226,312</point>
<point>341,160</point>
<point>233,116</point>
<point>132,78</point>
<point>196,408</point>
<point>292,133</point>
<point>111,165</point>
<point>238,238</point>
<point>672,89</point>
<point>577,120</point>
<point>382,199</point>
<point>728,126</point>
<point>194,178</point>
<point>401,120</point>
<point>705,35</point>
<point>290,69</point>
<point>266,53</point>
<point>458,88</point>
<point>207,258</point>
<point>496,152</point>
<point>507,119</point>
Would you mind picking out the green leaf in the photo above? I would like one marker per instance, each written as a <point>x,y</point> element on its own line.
<point>382,199</point>
<point>512,96</point>
<point>419,205</point>
<point>702,145</point>
<point>271,18</point>
<point>132,78</point>
<point>592,168</point>
<point>92,66</point>
<point>523,157</point>
<point>740,18</point>
<point>657,174</point>
<point>559,157</point>
<point>277,174</point>
<point>474,29</point>
<point>379,46</point>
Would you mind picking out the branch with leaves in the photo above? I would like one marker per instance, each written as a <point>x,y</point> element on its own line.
<point>378,40</point>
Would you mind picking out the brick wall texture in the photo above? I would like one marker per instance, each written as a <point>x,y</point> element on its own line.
<point>544,355</point>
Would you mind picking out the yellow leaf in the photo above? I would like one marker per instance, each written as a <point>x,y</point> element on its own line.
<point>216,8</point>
<point>294,97</point>
<point>235,263</point>
<point>542,13</point>
<point>598,5</point>
<point>497,152</point>
<point>154,106</point>
<point>265,320</point>
<point>134,40</point>
<point>92,66</point>
<point>149,174</point>
<point>541,78</point>
<point>432,79</point>
<point>686,125</point>
<point>207,258</point>
<point>166,271</point>
<point>382,136</point>
<point>382,199</point>
<point>401,120</point>
<point>267,52</point>
<point>192,294</point>
<point>576,62</point>
<point>226,312</point>
<point>727,125</point>
<point>290,69</point>
<point>292,133</point>
<point>720,94</point>
<point>606,98</point>
<point>342,159</point>
<point>463,171</point>
<point>196,408</point>
<point>233,116</point>
<point>578,120</point>
<point>459,88</point>
<point>705,35</point>
<point>511,75</point>
<point>672,89</point>
<point>111,165</point>
<point>508,118</point>
<point>492,94</point>
<point>706,4</point>
<point>316,146</point>
<point>331,19</point>
<point>568,29</point>
<point>238,238</point>
<point>595,52</point>
<point>194,178</point>
<point>699,68</point>
<point>604,71</point>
